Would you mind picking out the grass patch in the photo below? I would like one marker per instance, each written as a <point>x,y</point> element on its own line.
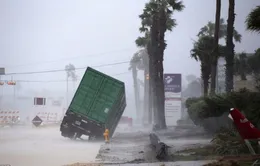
<point>206,150</point>
<point>205,153</point>
<point>193,154</point>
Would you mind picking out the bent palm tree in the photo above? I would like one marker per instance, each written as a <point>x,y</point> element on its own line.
<point>253,20</point>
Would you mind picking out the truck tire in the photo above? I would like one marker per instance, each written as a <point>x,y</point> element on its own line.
<point>78,135</point>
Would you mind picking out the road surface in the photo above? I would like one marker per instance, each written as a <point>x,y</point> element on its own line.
<point>28,146</point>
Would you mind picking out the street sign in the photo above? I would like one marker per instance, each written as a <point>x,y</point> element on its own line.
<point>37,121</point>
<point>2,71</point>
<point>172,90</point>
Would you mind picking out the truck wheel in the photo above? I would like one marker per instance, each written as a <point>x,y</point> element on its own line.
<point>78,135</point>
<point>73,136</point>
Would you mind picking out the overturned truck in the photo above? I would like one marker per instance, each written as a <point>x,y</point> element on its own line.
<point>98,104</point>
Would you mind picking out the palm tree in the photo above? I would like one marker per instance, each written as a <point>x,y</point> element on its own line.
<point>253,62</point>
<point>253,20</point>
<point>215,50</point>
<point>209,29</point>
<point>156,20</point>
<point>202,51</point>
<point>230,47</point>
<point>70,72</point>
<point>136,63</point>
<point>241,66</point>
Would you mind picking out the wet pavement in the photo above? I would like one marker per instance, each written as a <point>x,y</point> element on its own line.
<point>177,163</point>
<point>133,147</point>
<point>30,146</point>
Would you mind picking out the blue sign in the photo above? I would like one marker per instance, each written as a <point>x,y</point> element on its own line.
<point>172,83</point>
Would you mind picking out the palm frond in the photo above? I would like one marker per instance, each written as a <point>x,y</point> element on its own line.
<point>176,5</point>
<point>170,24</point>
<point>141,41</point>
<point>237,36</point>
<point>253,20</point>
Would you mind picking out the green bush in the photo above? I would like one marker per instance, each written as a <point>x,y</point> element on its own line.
<point>206,111</point>
<point>196,111</point>
<point>212,114</point>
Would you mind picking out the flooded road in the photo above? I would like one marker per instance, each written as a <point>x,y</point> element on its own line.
<point>28,146</point>
<point>134,148</point>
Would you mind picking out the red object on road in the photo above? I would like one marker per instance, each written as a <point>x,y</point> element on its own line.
<point>245,128</point>
<point>126,120</point>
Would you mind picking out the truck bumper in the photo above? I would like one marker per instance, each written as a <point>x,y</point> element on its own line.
<point>74,126</point>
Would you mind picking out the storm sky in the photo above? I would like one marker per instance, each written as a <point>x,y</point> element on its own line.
<point>38,35</point>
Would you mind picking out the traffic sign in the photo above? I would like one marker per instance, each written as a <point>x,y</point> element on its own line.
<point>37,121</point>
<point>2,71</point>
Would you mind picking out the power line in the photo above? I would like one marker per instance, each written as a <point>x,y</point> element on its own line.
<point>64,59</point>
<point>60,70</point>
<point>49,81</point>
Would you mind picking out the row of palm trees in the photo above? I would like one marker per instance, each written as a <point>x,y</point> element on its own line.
<point>207,49</point>
<point>156,19</point>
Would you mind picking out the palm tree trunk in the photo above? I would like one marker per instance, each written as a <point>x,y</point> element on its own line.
<point>162,46</point>
<point>230,46</point>
<point>146,96</point>
<point>151,85</point>
<point>137,100</point>
<point>205,80</point>
<point>215,51</point>
<point>154,67</point>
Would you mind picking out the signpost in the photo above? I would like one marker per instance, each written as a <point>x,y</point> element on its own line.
<point>172,90</point>
<point>37,121</point>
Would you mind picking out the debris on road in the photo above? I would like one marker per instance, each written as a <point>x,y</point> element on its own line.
<point>159,147</point>
<point>135,147</point>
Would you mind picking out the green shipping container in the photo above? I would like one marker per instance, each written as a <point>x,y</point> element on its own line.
<point>100,98</point>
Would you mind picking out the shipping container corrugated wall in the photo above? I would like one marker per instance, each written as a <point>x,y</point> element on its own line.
<point>100,98</point>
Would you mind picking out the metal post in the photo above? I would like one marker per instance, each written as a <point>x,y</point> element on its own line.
<point>14,94</point>
<point>217,83</point>
<point>67,100</point>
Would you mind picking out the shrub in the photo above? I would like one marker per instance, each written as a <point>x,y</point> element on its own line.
<point>227,141</point>
<point>196,111</point>
<point>212,113</point>
<point>201,109</point>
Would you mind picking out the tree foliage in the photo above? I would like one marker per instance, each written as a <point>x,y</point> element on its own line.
<point>202,52</point>
<point>203,48</point>
<point>71,72</point>
<point>209,29</point>
<point>253,20</point>
<point>247,64</point>
<point>151,8</point>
